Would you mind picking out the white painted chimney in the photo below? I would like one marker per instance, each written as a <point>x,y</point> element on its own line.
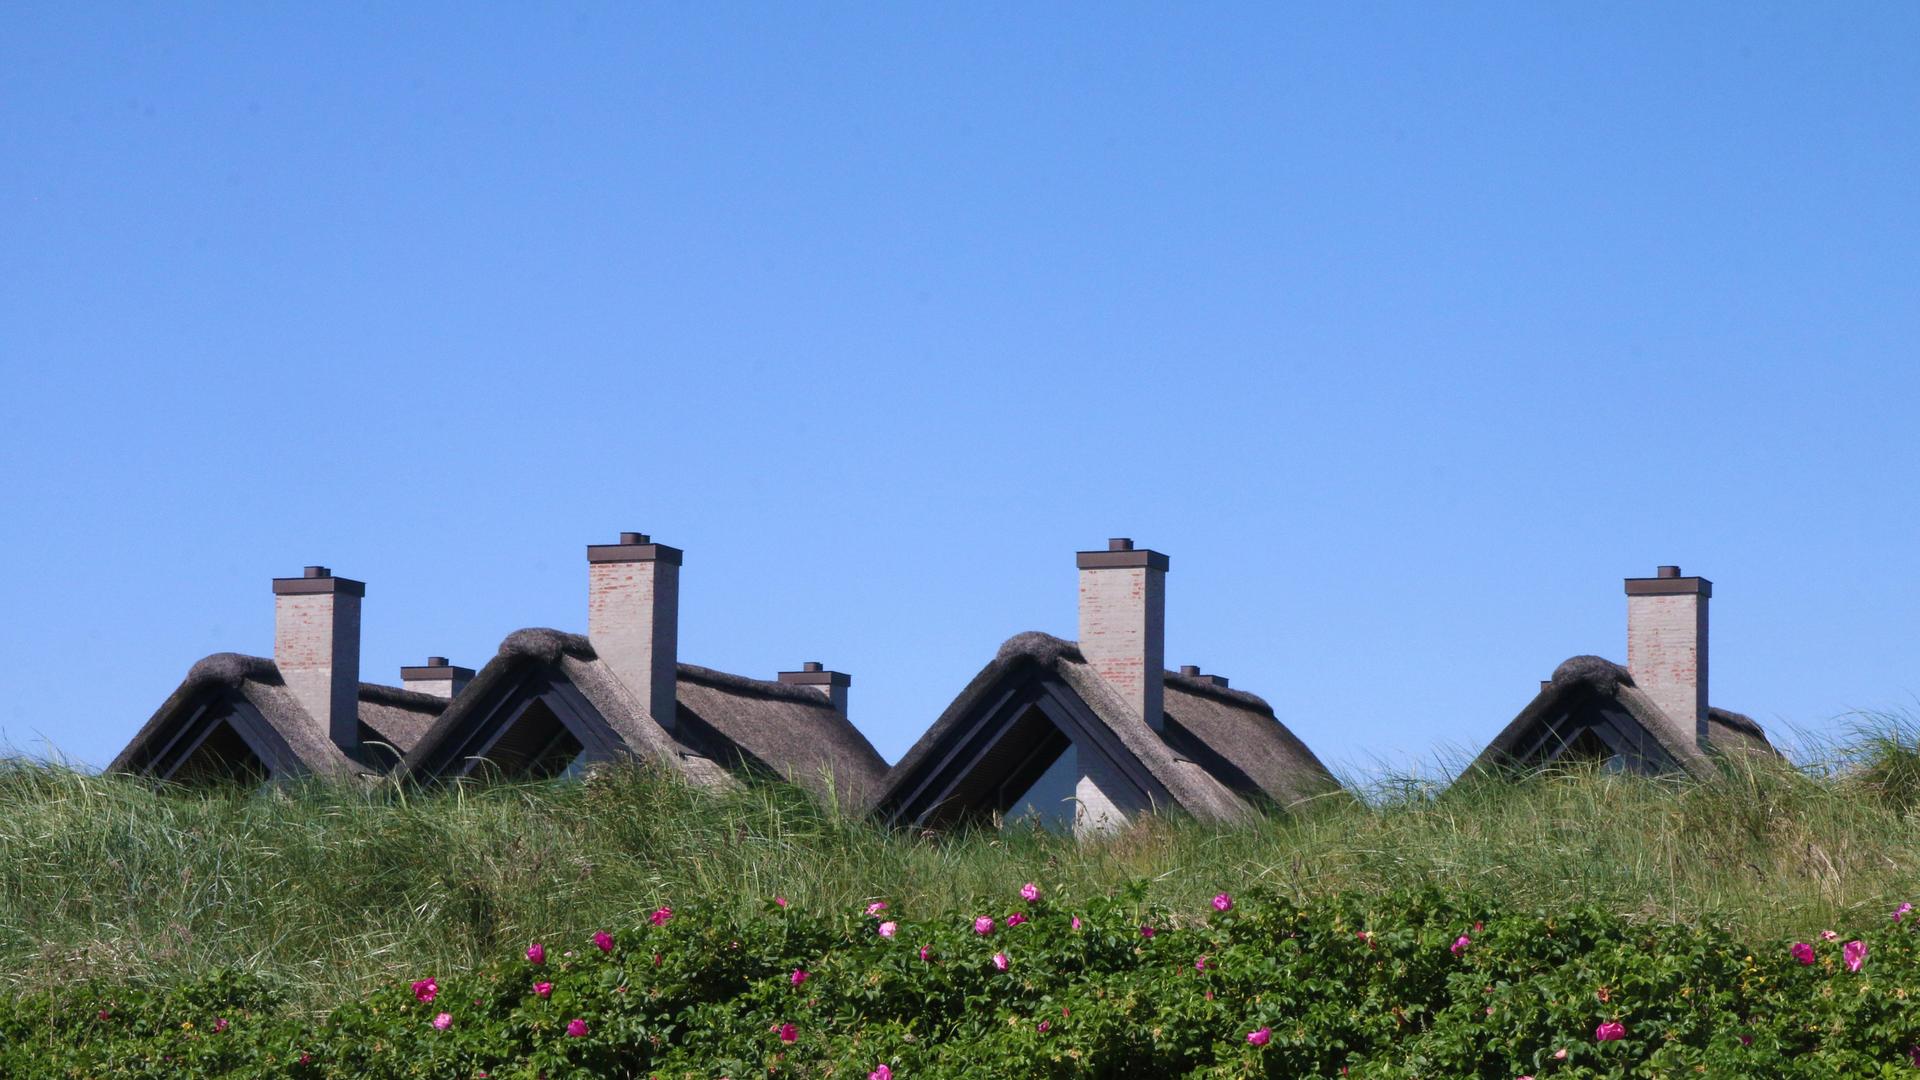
<point>1123,623</point>
<point>1667,644</point>
<point>438,676</point>
<point>633,618</point>
<point>831,684</point>
<point>316,646</point>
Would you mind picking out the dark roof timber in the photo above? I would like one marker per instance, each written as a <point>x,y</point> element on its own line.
<point>1591,707</point>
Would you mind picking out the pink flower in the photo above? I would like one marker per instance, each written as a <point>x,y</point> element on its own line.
<point>1829,935</point>
<point>425,990</point>
<point>220,1024</point>
<point>603,941</point>
<point>1560,1054</point>
<point>1802,952</point>
<point>789,1033</point>
<point>660,915</point>
<point>1146,931</point>
<point>1609,1031</point>
<point>443,1022</point>
<point>780,901</point>
<point>536,953</point>
<point>889,928</point>
<point>926,952</point>
<point>983,925</point>
<point>1260,1038</point>
<point>876,907</point>
<point>1223,902</point>
<point>1460,944</point>
<point>543,989</point>
<point>1000,961</point>
<point>1076,922</point>
<point>1015,919</point>
<point>799,976</point>
<point>1901,912</point>
<point>104,1014</point>
<point>1746,1040</point>
<point>1029,892</point>
<point>1855,954</point>
<point>1043,1026</point>
<point>576,1028</point>
<point>1200,964</point>
<point>881,1073</point>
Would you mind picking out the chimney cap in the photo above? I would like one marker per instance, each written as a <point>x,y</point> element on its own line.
<point>1120,554</point>
<point>317,579</point>
<point>436,669</point>
<point>437,661</point>
<point>1189,669</point>
<point>633,547</point>
<point>1668,582</point>
<point>814,673</point>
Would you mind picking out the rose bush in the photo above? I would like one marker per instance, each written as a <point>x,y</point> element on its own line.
<point>1360,986</point>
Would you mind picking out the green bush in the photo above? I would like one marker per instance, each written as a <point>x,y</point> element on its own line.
<point>1406,984</point>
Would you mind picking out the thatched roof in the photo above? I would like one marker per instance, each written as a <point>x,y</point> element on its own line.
<point>247,694</point>
<point>1222,749</point>
<point>724,721</point>
<point>1592,703</point>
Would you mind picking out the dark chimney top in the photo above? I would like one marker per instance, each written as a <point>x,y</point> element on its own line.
<point>1120,543</point>
<point>1190,669</point>
<point>634,538</point>
<point>1667,572</point>
<point>438,661</point>
<point>813,665</point>
<point>317,572</point>
<point>633,547</point>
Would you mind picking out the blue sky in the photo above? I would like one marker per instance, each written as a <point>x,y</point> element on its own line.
<point>1406,330</point>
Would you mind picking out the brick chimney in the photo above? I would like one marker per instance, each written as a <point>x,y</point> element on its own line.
<point>831,684</point>
<point>1123,623</point>
<point>1667,644</point>
<point>437,676</point>
<point>633,618</point>
<point>316,646</point>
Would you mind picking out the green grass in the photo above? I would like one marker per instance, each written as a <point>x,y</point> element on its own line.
<point>330,890</point>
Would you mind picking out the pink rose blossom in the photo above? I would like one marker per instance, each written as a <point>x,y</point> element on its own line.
<point>1015,919</point>
<point>543,990</point>
<point>603,941</point>
<point>1223,902</point>
<point>1029,892</point>
<point>983,925</point>
<point>1460,944</point>
<point>1146,931</point>
<point>660,915</point>
<point>425,990</point>
<point>881,1073</point>
<point>1901,911</point>
<point>1855,954</point>
<point>926,952</point>
<point>104,1014</point>
<point>799,976</point>
<point>1260,1037</point>
<point>889,928</point>
<point>1075,923</point>
<point>1200,964</point>
<point>876,907</point>
<point>443,1022</point>
<point>219,1024</point>
<point>1609,1031</point>
<point>1000,961</point>
<point>1043,1026</point>
<point>536,953</point>
<point>1829,935</point>
<point>576,1028</point>
<point>789,1033</point>
<point>1560,1054</point>
<point>780,901</point>
<point>1802,952</point>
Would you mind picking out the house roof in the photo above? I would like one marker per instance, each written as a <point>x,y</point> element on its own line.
<point>724,720</point>
<point>248,693</point>
<point>1222,749</point>
<point>1590,692</point>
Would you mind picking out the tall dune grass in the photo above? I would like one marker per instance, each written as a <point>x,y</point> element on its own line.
<point>329,889</point>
